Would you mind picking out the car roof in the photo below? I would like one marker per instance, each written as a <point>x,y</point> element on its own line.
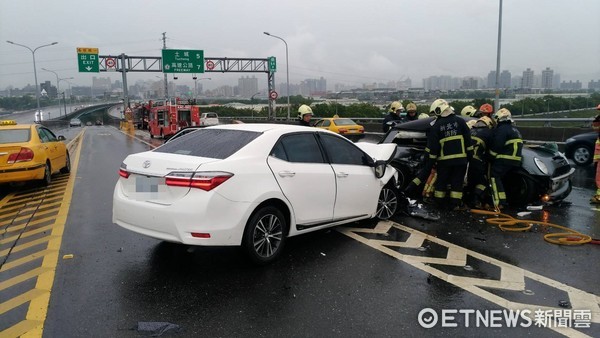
<point>264,127</point>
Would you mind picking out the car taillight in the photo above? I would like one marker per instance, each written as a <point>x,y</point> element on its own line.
<point>361,130</point>
<point>24,155</point>
<point>342,130</point>
<point>123,171</point>
<point>205,180</point>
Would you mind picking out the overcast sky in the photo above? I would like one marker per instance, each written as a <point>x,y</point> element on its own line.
<point>344,41</point>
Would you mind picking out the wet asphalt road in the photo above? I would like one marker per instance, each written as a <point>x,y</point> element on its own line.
<point>326,283</point>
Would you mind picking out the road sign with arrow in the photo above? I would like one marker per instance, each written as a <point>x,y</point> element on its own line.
<point>88,60</point>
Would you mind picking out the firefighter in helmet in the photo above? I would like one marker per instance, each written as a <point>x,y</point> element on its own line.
<point>468,111</point>
<point>506,149</point>
<point>486,109</point>
<point>411,114</point>
<point>393,115</point>
<point>596,125</point>
<point>449,144</point>
<point>477,182</point>
<point>305,113</point>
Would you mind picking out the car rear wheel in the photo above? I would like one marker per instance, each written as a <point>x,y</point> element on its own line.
<point>582,155</point>
<point>47,176</point>
<point>67,168</point>
<point>264,236</point>
<point>387,204</point>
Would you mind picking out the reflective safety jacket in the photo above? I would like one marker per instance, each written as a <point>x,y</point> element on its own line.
<point>449,141</point>
<point>507,144</point>
<point>597,150</point>
<point>482,139</point>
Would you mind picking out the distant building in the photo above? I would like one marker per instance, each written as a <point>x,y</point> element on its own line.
<point>100,85</point>
<point>313,87</point>
<point>527,79</point>
<point>247,86</point>
<point>443,83</point>
<point>547,78</point>
<point>594,85</point>
<point>516,81</point>
<point>570,85</point>
<point>469,83</point>
<point>491,79</point>
<point>505,78</point>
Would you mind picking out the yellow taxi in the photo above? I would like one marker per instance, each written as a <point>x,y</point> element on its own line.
<point>31,152</point>
<point>342,126</point>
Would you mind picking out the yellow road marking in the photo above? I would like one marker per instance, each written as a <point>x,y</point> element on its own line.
<point>22,277</point>
<point>21,329</point>
<point>511,277</point>
<point>24,246</point>
<point>26,234</point>
<point>20,300</point>
<point>24,260</point>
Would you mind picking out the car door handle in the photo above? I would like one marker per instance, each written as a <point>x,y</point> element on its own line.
<point>287,173</point>
<point>341,175</point>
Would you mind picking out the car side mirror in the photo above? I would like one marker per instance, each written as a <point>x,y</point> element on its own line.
<point>380,167</point>
<point>61,138</point>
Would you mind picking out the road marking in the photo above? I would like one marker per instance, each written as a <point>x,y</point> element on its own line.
<point>512,278</point>
<point>31,215</point>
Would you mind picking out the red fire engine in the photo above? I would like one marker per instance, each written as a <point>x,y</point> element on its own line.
<point>166,117</point>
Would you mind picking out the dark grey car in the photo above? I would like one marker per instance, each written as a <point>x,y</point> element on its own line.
<point>580,148</point>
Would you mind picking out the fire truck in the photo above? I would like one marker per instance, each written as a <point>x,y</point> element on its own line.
<point>167,117</point>
<point>141,112</point>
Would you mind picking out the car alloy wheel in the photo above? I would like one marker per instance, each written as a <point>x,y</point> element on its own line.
<point>264,236</point>
<point>67,168</point>
<point>582,155</point>
<point>387,204</point>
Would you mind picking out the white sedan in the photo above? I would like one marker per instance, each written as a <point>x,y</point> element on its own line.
<point>253,185</point>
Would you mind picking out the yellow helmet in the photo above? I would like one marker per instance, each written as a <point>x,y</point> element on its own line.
<point>411,107</point>
<point>396,105</point>
<point>440,106</point>
<point>304,110</point>
<point>503,114</point>
<point>423,116</point>
<point>485,121</point>
<point>471,123</point>
<point>468,111</point>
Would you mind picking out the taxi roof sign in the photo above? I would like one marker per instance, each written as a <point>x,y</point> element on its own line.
<point>8,123</point>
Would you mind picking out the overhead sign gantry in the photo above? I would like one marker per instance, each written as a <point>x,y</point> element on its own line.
<point>184,61</point>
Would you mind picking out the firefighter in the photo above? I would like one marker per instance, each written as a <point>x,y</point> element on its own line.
<point>486,109</point>
<point>449,144</point>
<point>411,114</point>
<point>468,111</point>
<point>393,116</point>
<point>305,113</point>
<point>596,125</point>
<point>506,149</point>
<point>477,182</point>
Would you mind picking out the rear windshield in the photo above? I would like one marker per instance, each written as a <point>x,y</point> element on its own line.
<point>14,136</point>
<point>344,122</point>
<point>211,143</point>
<point>211,115</point>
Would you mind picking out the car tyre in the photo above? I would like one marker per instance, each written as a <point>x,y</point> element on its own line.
<point>387,203</point>
<point>265,235</point>
<point>67,168</point>
<point>582,155</point>
<point>47,176</point>
<point>520,189</point>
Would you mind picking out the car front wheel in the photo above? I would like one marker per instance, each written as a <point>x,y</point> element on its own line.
<point>387,204</point>
<point>582,155</point>
<point>264,236</point>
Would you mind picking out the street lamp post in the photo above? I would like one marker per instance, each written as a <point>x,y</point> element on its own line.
<point>196,84</point>
<point>58,88</point>
<point>37,91</point>
<point>287,69</point>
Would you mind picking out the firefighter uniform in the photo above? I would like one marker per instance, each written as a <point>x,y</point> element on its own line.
<point>596,126</point>
<point>477,181</point>
<point>449,144</point>
<point>506,149</point>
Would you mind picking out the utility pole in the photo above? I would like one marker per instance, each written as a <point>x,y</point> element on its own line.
<point>497,97</point>
<point>164,34</point>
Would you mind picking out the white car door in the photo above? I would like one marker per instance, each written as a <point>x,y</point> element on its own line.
<point>306,180</point>
<point>357,187</point>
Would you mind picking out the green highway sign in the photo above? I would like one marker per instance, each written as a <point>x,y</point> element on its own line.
<point>182,61</point>
<point>88,60</point>
<point>272,64</point>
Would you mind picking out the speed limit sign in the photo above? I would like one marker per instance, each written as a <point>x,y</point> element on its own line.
<point>273,95</point>
<point>210,65</point>
<point>110,63</point>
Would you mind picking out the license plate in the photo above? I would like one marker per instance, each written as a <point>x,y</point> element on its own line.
<point>145,184</point>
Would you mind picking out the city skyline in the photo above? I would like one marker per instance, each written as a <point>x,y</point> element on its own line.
<point>345,42</point>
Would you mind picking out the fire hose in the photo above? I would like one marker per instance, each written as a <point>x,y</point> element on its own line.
<point>508,223</point>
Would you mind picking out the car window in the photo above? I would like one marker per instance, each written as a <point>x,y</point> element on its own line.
<point>211,115</point>
<point>302,148</point>
<point>50,135</point>
<point>43,136</point>
<point>211,143</point>
<point>344,122</point>
<point>319,123</point>
<point>14,135</point>
<point>279,152</point>
<point>326,123</point>
<point>341,151</point>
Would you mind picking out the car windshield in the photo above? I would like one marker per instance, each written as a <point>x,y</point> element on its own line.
<point>211,143</point>
<point>344,122</point>
<point>14,136</point>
